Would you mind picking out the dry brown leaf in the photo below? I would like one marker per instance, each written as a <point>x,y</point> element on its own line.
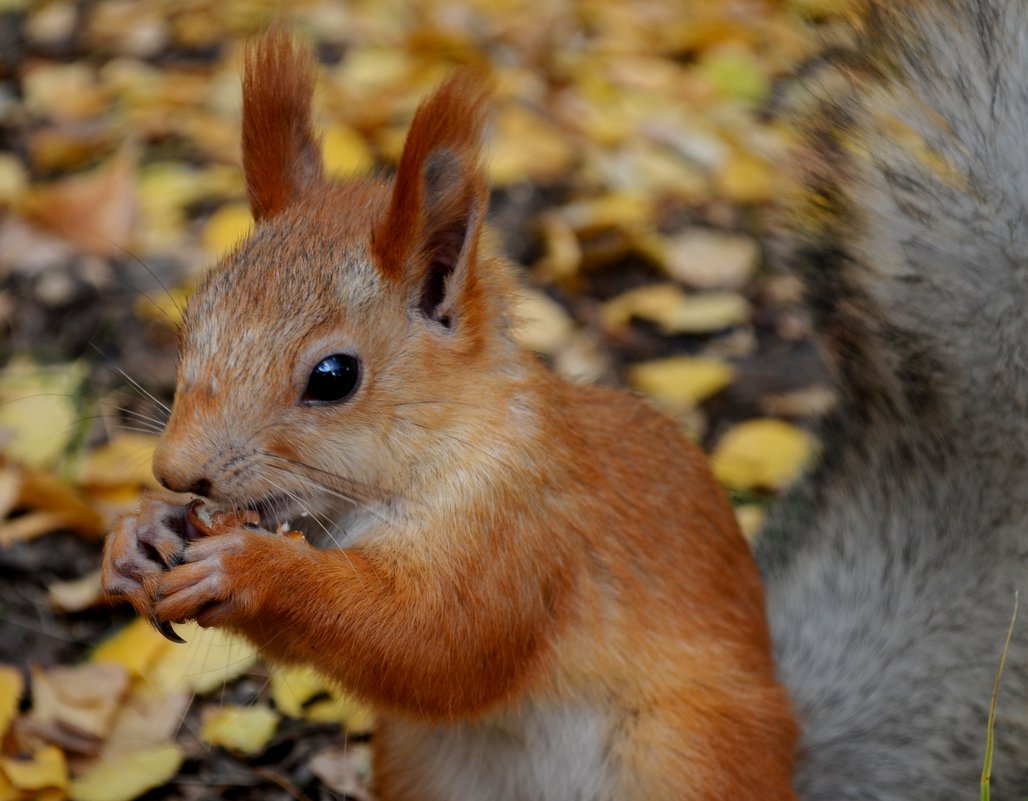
<point>346,769</point>
<point>97,210</point>
<point>84,698</point>
<point>148,717</point>
<point>77,594</point>
<point>709,259</point>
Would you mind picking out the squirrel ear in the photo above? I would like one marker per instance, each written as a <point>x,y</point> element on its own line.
<point>281,155</point>
<point>431,231</point>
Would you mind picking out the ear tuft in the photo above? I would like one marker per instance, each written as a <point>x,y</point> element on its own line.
<point>439,190</point>
<point>281,156</point>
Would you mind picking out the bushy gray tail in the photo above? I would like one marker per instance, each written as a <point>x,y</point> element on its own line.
<point>892,571</point>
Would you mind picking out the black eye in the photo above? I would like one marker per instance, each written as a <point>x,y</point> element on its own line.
<point>333,379</point>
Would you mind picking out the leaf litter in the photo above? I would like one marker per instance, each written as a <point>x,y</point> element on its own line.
<point>631,165</point>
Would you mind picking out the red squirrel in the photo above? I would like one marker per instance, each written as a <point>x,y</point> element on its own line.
<point>539,586</point>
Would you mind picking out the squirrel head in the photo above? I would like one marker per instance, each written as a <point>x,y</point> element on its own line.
<point>359,334</point>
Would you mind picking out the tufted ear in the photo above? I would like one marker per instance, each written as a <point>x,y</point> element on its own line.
<point>281,156</point>
<point>430,234</point>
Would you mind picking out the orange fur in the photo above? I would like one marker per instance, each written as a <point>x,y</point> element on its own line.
<point>522,552</point>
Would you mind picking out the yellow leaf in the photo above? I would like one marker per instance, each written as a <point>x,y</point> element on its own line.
<point>527,146</point>
<point>680,381</point>
<point>735,71</point>
<point>751,518</point>
<point>45,769</point>
<point>38,409</point>
<point>136,648</point>
<point>241,729</point>
<point>541,323</point>
<point>355,717</point>
<point>292,687</point>
<point>704,313</point>
<point>226,228</point>
<point>164,306</point>
<point>675,311</point>
<point>652,302</point>
<point>14,180</point>
<point>127,776</point>
<point>746,179</point>
<point>345,153</point>
<point>763,453</point>
<point>12,685</point>
<point>210,659</point>
<point>124,461</point>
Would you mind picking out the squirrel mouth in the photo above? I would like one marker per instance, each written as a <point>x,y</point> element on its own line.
<point>274,510</point>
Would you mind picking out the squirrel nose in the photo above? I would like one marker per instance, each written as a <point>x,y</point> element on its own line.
<point>200,486</point>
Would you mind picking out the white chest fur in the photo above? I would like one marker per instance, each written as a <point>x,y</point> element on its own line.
<point>523,755</point>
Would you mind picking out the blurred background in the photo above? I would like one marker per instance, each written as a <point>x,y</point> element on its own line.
<point>636,155</point>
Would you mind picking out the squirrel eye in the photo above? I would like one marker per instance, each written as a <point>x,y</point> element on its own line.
<point>333,379</point>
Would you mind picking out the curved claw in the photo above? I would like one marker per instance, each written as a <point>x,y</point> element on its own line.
<point>164,627</point>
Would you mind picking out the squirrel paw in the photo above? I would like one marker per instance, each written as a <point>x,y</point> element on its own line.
<point>142,546</point>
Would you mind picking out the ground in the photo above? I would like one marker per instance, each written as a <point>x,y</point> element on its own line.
<point>636,159</point>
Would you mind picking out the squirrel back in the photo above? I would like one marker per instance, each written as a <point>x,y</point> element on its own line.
<point>892,571</point>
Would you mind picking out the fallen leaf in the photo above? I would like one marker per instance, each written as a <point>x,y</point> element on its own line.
<point>675,311</point>
<point>680,381</point>
<point>746,179</point>
<point>761,454</point>
<point>148,717</point>
<point>45,769</point>
<point>164,307</point>
<point>14,180</point>
<point>710,259</point>
<point>345,153</point>
<point>38,409</point>
<point>39,490</point>
<point>12,685</point>
<point>97,210</point>
<point>292,687</point>
<point>736,72</point>
<point>345,769</point>
<point>541,323</point>
<point>129,775</point>
<point>77,594</point>
<point>226,228</point>
<point>136,648</point>
<point>240,729</point>
<point>751,518</point>
<point>84,697</point>
<point>526,146</point>
<point>210,659</point>
<point>123,461</point>
<point>355,717</point>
